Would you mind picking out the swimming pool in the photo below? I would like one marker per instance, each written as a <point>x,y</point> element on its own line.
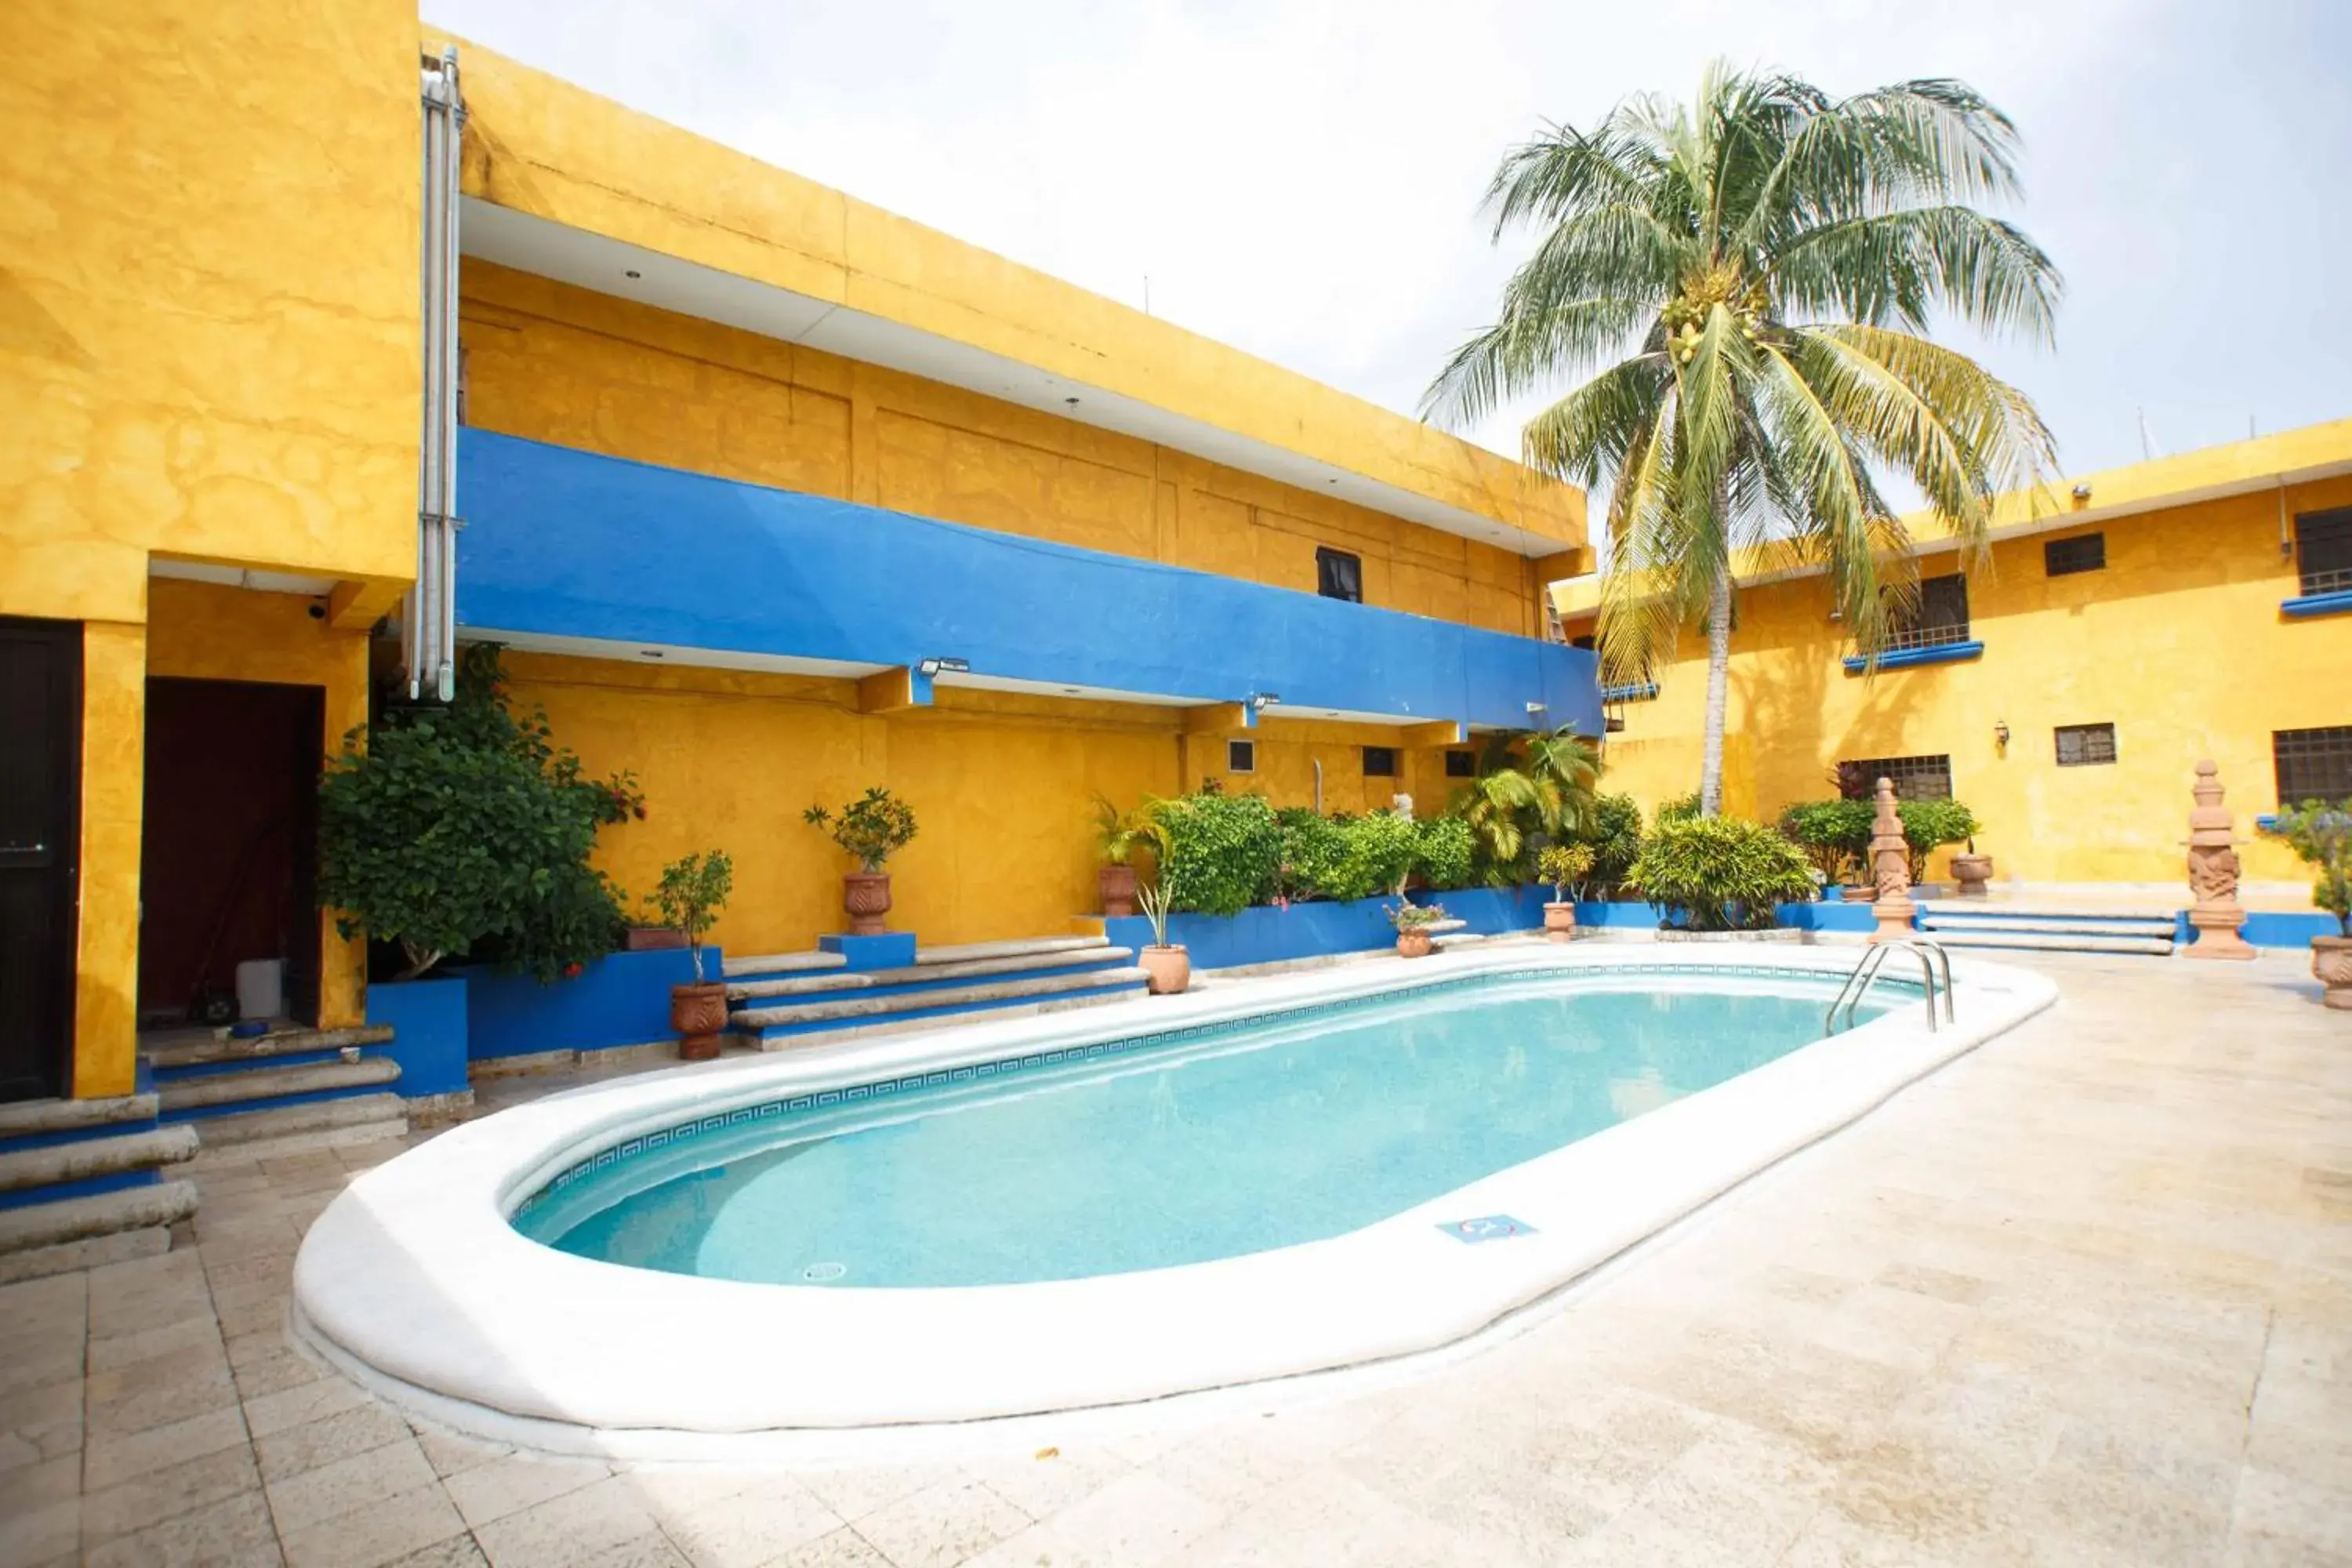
<point>1155,1152</point>
<point>1262,1179</point>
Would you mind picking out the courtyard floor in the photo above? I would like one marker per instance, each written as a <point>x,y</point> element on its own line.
<point>2083,1298</point>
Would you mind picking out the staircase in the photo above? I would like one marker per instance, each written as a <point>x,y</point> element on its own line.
<point>787,999</point>
<point>2048,927</point>
<point>81,1183</point>
<point>286,1092</point>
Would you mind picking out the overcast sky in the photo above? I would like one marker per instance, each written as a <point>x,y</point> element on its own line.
<point>1299,178</point>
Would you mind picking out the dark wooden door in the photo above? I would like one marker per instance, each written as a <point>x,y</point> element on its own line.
<point>40,842</point>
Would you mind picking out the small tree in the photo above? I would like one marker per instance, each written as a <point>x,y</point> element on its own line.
<point>2321,835</point>
<point>873,828</point>
<point>691,892</point>
<point>1562,865</point>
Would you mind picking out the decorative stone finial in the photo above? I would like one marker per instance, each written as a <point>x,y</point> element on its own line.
<point>1890,865</point>
<point>2213,872</point>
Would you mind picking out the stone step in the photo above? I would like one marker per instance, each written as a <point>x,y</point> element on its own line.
<point>837,1008</point>
<point>1016,947</point>
<point>929,974</point>
<point>281,1129</point>
<point>2046,942</point>
<point>186,1048</point>
<point>218,1088</point>
<point>834,1034</point>
<point>54,1118</point>
<point>2046,909</point>
<point>71,1220</point>
<point>783,963</point>
<point>2047,925</point>
<point>82,1159</point>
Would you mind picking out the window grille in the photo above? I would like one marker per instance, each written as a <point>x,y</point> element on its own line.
<point>2313,764</point>
<point>2322,551</point>
<point>2083,552</point>
<point>2085,745</point>
<point>1379,762</point>
<point>1241,756</point>
<point>1915,778</point>
<point>1339,575</point>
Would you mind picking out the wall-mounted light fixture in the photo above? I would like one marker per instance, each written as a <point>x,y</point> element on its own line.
<point>1262,700</point>
<point>1534,708</point>
<point>951,665</point>
<point>2000,733</point>
<point>2081,495</point>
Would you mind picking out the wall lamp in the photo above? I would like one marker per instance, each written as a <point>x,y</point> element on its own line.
<point>2000,733</point>
<point>1536,708</point>
<point>951,665</point>
<point>1260,701</point>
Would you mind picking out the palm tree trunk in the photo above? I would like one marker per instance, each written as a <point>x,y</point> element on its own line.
<point>1718,681</point>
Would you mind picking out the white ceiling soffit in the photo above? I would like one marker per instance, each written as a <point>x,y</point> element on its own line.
<point>548,249</point>
<point>239,577</point>
<point>667,653</point>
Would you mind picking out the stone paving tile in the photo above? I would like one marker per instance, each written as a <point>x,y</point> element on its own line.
<point>168,1492</point>
<point>111,1460</point>
<point>296,1449</point>
<point>1135,1521</point>
<point>384,1530</point>
<point>234,1533</point>
<point>942,1525</point>
<point>309,1497</point>
<point>508,1486</point>
<point>570,1528</point>
<point>750,1528</point>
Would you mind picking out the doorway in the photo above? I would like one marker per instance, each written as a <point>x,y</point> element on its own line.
<point>41,851</point>
<point>229,862</point>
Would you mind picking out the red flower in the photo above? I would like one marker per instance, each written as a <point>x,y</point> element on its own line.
<point>572,972</point>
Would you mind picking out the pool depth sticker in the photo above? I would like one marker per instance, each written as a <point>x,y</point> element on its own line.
<point>1486,1228</point>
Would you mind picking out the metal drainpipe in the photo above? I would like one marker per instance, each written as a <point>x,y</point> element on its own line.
<point>1318,787</point>
<point>428,619</point>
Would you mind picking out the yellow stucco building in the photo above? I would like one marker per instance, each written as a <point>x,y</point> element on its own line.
<point>2123,625</point>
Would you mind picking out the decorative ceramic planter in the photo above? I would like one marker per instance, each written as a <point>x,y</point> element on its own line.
<point>1170,968</point>
<point>1117,886</point>
<point>1859,894</point>
<point>651,939</point>
<point>1972,872</point>
<point>698,1014</point>
<point>1412,941</point>
<point>2331,965</point>
<point>866,896</point>
<point>1559,921</point>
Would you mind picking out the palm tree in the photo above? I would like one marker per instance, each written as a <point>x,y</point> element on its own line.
<point>1752,279</point>
<point>1527,786</point>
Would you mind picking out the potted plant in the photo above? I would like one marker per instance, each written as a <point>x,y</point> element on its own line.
<point>1971,870</point>
<point>1119,833</point>
<point>1168,963</point>
<point>1561,864</point>
<point>689,895</point>
<point>873,828</point>
<point>2321,835</point>
<point>1413,923</point>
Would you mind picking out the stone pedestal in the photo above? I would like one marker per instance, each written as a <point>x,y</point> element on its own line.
<point>2213,873</point>
<point>1890,866</point>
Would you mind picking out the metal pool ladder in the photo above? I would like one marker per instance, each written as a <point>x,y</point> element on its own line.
<point>1935,966</point>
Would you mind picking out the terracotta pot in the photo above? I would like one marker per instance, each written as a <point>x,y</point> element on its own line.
<point>1860,895</point>
<point>698,1014</point>
<point>651,939</point>
<point>1972,872</point>
<point>1117,885</point>
<point>2331,965</point>
<point>866,896</point>
<point>1559,921</point>
<point>1412,941</point>
<point>1170,967</point>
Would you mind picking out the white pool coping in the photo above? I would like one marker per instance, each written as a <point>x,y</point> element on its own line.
<point>413,1282</point>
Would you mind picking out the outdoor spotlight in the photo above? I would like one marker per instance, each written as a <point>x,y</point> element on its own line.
<point>2000,733</point>
<point>1537,707</point>
<point>2081,493</point>
<point>951,665</point>
<point>1262,700</point>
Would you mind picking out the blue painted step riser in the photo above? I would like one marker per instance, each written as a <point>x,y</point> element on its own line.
<point>796,1031</point>
<point>88,1187</point>
<point>271,1102</point>
<point>254,1064</point>
<point>75,1135</point>
<point>911,987</point>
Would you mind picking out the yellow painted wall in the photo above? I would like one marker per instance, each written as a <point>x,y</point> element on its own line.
<point>208,349</point>
<point>202,632</point>
<point>1003,787</point>
<point>2178,643</point>
<point>552,362</point>
<point>541,146</point>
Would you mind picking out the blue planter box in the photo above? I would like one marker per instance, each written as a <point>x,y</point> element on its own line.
<point>621,999</point>
<point>1269,935</point>
<point>428,1019</point>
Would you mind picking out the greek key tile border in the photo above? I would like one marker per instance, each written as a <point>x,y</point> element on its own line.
<point>1011,1066</point>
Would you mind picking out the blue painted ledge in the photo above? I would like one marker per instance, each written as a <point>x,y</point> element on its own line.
<point>2268,928</point>
<point>621,999</point>
<point>1904,658</point>
<point>2311,605</point>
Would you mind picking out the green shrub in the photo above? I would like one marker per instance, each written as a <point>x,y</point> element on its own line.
<point>1717,871</point>
<point>1448,856</point>
<point>1312,850</point>
<point>1614,830</point>
<point>2321,834</point>
<point>465,831</point>
<point>1834,835</point>
<point>1929,824</point>
<point>1219,854</point>
<point>691,892</point>
<point>1567,866</point>
<point>1682,808</point>
<point>873,828</point>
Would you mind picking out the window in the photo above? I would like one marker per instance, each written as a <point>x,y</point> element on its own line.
<point>2313,764</point>
<point>1461,764</point>
<point>2322,551</point>
<point>1583,642</point>
<point>1241,756</point>
<point>2083,552</point>
<point>1939,619</point>
<point>1339,575</point>
<point>1379,762</point>
<point>1915,778</point>
<point>2085,745</point>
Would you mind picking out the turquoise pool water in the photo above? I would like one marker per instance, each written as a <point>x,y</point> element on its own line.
<point>1211,1143</point>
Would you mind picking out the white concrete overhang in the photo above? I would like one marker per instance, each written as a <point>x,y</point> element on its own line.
<point>607,266</point>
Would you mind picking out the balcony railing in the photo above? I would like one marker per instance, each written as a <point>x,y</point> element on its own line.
<point>1938,644</point>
